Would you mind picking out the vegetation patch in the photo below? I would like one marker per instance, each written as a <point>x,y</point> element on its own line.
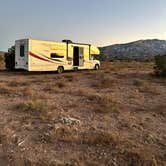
<point>32,94</point>
<point>95,137</point>
<point>137,157</point>
<point>17,84</point>
<point>103,103</point>
<point>160,68</point>
<point>38,107</point>
<point>138,82</point>
<point>105,82</point>
<point>59,133</point>
<point>6,89</point>
<point>149,89</point>
<point>70,78</point>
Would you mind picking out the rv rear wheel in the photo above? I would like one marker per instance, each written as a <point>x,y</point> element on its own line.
<point>97,67</point>
<point>75,68</point>
<point>60,69</point>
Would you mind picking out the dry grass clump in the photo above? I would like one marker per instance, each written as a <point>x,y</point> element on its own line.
<point>38,107</point>
<point>61,84</point>
<point>70,78</point>
<point>28,92</point>
<point>6,89</point>
<point>31,93</point>
<point>55,87</point>
<point>157,109</point>
<point>95,137</point>
<point>51,89</point>
<point>146,87</point>
<point>150,89</point>
<point>137,157</point>
<point>17,84</point>
<point>138,82</point>
<point>6,134</point>
<point>102,103</point>
<point>105,81</point>
<point>59,133</point>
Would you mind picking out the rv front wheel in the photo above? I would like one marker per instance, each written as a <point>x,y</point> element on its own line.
<point>60,69</point>
<point>97,67</point>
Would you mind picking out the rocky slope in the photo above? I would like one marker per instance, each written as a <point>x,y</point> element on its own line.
<point>141,50</point>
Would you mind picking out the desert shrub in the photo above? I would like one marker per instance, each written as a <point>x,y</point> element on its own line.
<point>160,68</point>
<point>70,78</point>
<point>94,137</point>
<point>37,107</point>
<point>102,103</point>
<point>61,84</point>
<point>61,133</point>
<point>138,82</point>
<point>17,84</point>
<point>6,90</point>
<point>51,89</point>
<point>30,93</point>
<point>10,58</point>
<point>137,157</point>
<point>104,81</point>
<point>107,82</point>
<point>149,89</point>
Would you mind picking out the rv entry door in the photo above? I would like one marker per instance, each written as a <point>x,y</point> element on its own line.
<point>78,56</point>
<point>81,56</point>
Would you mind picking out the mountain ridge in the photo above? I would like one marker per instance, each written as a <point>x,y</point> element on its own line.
<point>141,50</point>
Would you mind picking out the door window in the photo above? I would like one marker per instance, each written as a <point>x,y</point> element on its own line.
<point>22,51</point>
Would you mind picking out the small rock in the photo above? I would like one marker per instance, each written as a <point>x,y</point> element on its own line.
<point>68,121</point>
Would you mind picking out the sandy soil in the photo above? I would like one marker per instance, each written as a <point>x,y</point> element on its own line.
<point>114,116</point>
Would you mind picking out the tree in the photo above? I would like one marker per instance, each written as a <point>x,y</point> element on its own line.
<point>10,58</point>
<point>160,68</point>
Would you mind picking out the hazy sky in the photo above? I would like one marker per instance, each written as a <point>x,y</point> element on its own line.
<point>101,22</point>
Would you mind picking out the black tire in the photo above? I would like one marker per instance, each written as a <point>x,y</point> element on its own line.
<point>60,69</point>
<point>97,67</point>
<point>75,69</point>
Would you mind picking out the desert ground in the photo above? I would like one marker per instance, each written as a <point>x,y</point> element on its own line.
<point>112,117</point>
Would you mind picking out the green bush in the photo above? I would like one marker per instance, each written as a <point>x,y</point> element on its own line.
<point>160,68</point>
<point>10,58</point>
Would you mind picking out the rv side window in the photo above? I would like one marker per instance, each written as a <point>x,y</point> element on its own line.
<point>54,55</point>
<point>21,50</point>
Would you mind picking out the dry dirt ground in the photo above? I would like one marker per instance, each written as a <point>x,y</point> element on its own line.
<point>112,117</point>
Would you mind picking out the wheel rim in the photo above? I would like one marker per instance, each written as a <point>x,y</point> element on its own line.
<point>60,70</point>
<point>97,67</point>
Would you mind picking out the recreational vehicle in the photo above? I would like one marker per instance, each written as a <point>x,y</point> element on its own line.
<point>40,55</point>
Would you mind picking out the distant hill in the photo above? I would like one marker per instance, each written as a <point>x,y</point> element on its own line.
<point>141,50</point>
<point>2,53</point>
<point>2,57</point>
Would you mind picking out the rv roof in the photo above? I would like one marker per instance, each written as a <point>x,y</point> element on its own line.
<point>55,41</point>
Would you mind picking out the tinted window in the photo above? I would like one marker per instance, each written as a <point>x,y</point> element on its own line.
<point>22,51</point>
<point>54,55</point>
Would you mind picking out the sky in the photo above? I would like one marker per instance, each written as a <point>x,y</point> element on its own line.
<point>100,22</point>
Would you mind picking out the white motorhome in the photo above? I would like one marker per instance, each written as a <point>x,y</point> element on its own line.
<point>40,55</point>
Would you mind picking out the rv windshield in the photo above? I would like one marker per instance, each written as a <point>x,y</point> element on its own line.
<point>93,57</point>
